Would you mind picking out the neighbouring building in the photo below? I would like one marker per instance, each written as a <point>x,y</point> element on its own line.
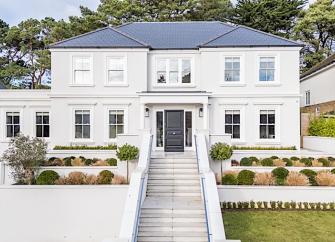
<point>317,88</point>
<point>170,78</point>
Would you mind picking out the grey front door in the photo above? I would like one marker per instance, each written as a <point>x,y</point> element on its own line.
<point>174,130</point>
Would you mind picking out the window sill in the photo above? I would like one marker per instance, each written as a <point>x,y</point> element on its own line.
<point>81,85</point>
<point>238,142</point>
<point>228,84</point>
<point>116,85</point>
<point>267,84</point>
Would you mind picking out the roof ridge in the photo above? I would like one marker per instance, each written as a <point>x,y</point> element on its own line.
<point>130,37</point>
<point>217,37</point>
<point>77,36</point>
<point>270,34</point>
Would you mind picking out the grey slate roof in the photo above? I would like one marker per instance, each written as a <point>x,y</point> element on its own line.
<point>107,37</point>
<point>174,35</point>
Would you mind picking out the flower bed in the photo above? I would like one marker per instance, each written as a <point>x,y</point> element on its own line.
<point>79,161</point>
<point>278,205</point>
<point>280,177</point>
<point>281,162</point>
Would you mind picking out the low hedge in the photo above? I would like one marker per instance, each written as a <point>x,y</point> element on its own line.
<point>47,177</point>
<point>245,161</point>
<point>229,179</point>
<point>245,177</point>
<point>278,205</point>
<point>85,147</point>
<point>324,127</point>
<point>234,147</point>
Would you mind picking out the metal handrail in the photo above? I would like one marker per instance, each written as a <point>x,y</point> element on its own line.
<point>140,197</point>
<point>203,191</point>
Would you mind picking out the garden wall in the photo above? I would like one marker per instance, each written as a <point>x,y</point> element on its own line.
<point>276,193</point>
<point>61,213</point>
<point>325,144</point>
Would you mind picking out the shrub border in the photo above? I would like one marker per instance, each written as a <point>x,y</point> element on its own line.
<point>277,205</point>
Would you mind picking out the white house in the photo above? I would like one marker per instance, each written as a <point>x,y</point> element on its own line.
<point>317,87</point>
<point>171,78</point>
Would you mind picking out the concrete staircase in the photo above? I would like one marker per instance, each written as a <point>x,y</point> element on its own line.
<point>173,209</point>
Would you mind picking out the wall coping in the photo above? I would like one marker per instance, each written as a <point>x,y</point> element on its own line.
<point>59,187</point>
<point>318,137</point>
<point>77,167</point>
<point>241,187</point>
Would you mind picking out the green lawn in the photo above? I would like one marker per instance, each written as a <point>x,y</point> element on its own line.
<point>280,226</point>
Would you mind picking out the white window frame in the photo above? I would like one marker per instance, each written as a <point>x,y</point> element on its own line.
<point>307,98</point>
<point>108,108</point>
<point>277,109</point>
<point>276,81</point>
<point>5,121</point>
<point>73,57</point>
<point>179,84</point>
<point>241,108</point>
<point>108,57</point>
<point>73,129</point>
<point>241,82</point>
<point>34,112</point>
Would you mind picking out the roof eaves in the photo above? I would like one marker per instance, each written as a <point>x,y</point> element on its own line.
<point>101,47</point>
<point>244,46</point>
<point>322,65</point>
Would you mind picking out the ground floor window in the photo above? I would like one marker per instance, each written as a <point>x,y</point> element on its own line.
<point>42,125</point>
<point>12,124</point>
<point>82,124</point>
<point>116,123</point>
<point>233,123</point>
<point>267,123</point>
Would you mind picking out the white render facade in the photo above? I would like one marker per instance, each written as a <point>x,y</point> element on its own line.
<point>97,94</point>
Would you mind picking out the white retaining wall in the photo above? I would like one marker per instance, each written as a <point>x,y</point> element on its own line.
<point>276,193</point>
<point>100,154</point>
<point>61,213</point>
<point>325,144</point>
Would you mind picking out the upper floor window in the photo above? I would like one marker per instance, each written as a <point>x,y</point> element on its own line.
<point>232,69</point>
<point>116,68</point>
<point>308,97</point>
<point>267,69</point>
<point>12,124</point>
<point>82,70</point>
<point>42,125</point>
<point>82,124</point>
<point>267,123</point>
<point>173,71</point>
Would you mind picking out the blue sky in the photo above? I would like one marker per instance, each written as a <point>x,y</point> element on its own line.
<point>14,11</point>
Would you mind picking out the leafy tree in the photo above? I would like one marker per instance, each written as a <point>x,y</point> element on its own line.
<point>24,156</point>
<point>316,28</point>
<point>271,16</point>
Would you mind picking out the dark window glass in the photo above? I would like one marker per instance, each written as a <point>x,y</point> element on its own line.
<point>188,131</point>
<point>232,123</point>
<point>159,129</point>
<point>42,125</point>
<point>267,124</point>
<point>13,124</point>
<point>82,124</point>
<point>116,123</point>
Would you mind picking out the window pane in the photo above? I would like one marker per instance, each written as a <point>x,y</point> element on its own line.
<point>39,118</point>
<point>120,129</point>
<point>236,76</point>
<point>236,64</point>
<point>186,78</point>
<point>270,75</point>
<point>262,75</point>
<point>173,77</point>
<point>186,71</point>
<point>10,132</point>
<point>236,131</point>
<point>115,76</point>
<point>263,119</point>
<point>78,118</point>
<point>228,63</point>
<point>236,118</point>
<point>271,131</point>
<point>228,118</point>
<point>16,119</point>
<point>9,118</point>
<point>116,64</point>
<point>112,131</point>
<point>86,131</point>
<point>120,118</point>
<point>188,131</point>
<point>46,119</point>
<point>228,75</point>
<point>78,131</point>
<point>228,129</point>
<point>16,130</point>
<point>161,77</point>
<point>86,119</point>
<point>39,131</point>
<point>161,65</point>
<point>271,118</point>
<point>112,118</point>
<point>174,65</point>
<point>263,133</point>
<point>46,131</point>
<point>159,129</point>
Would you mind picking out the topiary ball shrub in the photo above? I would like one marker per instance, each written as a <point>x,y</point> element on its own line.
<point>274,157</point>
<point>245,177</point>
<point>221,151</point>
<point>112,161</point>
<point>333,171</point>
<point>68,160</point>
<point>245,161</point>
<point>306,161</point>
<point>311,176</point>
<point>267,162</point>
<point>105,177</point>
<point>88,162</point>
<point>330,158</point>
<point>288,162</point>
<point>229,179</point>
<point>47,177</point>
<point>324,162</point>
<point>280,173</point>
<point>295,158</point>
<point>253,159</point>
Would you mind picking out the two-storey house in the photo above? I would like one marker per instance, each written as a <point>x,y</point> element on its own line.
<point>171,78</point>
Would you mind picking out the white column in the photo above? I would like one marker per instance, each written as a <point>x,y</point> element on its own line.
<point>205,114</point>
<point>142,107</point>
